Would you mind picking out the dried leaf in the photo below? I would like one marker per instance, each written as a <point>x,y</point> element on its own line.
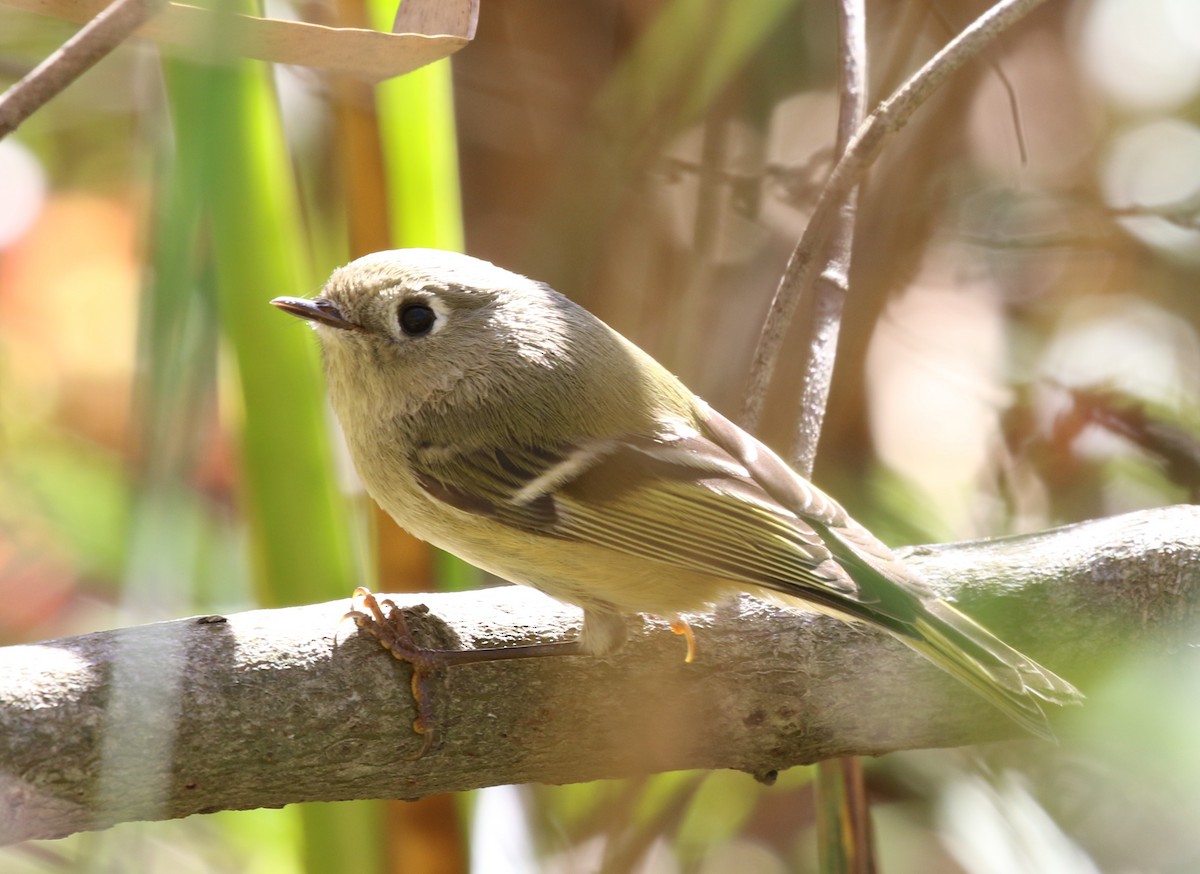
<point>444,28</point>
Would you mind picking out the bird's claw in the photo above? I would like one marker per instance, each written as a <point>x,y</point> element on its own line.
<point>385,621</point>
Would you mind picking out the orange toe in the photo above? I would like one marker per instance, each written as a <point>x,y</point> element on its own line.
<point>680,626</point>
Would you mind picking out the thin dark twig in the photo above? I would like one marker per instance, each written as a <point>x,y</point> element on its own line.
<point>1014,109</point>
<point>77,55</point>
<point>864,149</point>
<point>1014,106</point>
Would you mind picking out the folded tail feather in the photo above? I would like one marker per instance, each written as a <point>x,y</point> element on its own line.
<point>901,604</point>
<point>1010,681</point>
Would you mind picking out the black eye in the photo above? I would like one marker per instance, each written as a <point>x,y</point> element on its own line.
<point>416,319</point>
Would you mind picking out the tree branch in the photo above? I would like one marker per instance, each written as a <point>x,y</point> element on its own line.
<point>76,56</point>
<point>828,294</point>
<point>273,707</point>
<point>852,165</point>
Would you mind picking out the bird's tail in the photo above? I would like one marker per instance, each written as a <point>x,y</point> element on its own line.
<point>891,596</point>
<point>966,650</point>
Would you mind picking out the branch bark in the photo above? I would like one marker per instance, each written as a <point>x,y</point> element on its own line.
<point>76,56</point>
<point>830,289</point>
<point>272,707</point>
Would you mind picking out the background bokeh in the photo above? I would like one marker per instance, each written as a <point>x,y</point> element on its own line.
<point>1020,350</point>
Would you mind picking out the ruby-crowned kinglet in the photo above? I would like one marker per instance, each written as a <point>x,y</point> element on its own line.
<point>496,419</point>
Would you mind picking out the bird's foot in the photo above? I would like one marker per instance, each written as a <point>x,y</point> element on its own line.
<point>385,621</point>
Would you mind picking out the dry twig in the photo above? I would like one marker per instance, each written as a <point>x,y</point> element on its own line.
<point>852,166</point>
<point>80,53</point>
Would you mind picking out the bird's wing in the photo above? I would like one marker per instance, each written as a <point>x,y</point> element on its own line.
<point>709,499</point>
<point>713,500</point>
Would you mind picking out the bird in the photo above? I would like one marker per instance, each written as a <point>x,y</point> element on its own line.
<point>495,418</point>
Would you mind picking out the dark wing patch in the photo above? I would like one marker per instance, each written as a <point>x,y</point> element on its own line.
<point>460,499</point>
<point>485,481</point>
<point>681,499</point>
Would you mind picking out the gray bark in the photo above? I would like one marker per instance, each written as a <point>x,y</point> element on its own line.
<point>272,707</point>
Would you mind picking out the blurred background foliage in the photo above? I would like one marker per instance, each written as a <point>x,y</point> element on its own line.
<point>1020,351</point>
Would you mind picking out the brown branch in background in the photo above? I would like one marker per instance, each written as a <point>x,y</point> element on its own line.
<point>864,149</point>
<point>77,55</point>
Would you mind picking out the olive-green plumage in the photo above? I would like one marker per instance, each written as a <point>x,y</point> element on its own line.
<point>493,417</point>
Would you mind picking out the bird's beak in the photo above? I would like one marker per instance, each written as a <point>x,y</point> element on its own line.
<point>317,309</point>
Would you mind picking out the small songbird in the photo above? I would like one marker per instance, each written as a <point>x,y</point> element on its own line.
<point>496,419</point>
